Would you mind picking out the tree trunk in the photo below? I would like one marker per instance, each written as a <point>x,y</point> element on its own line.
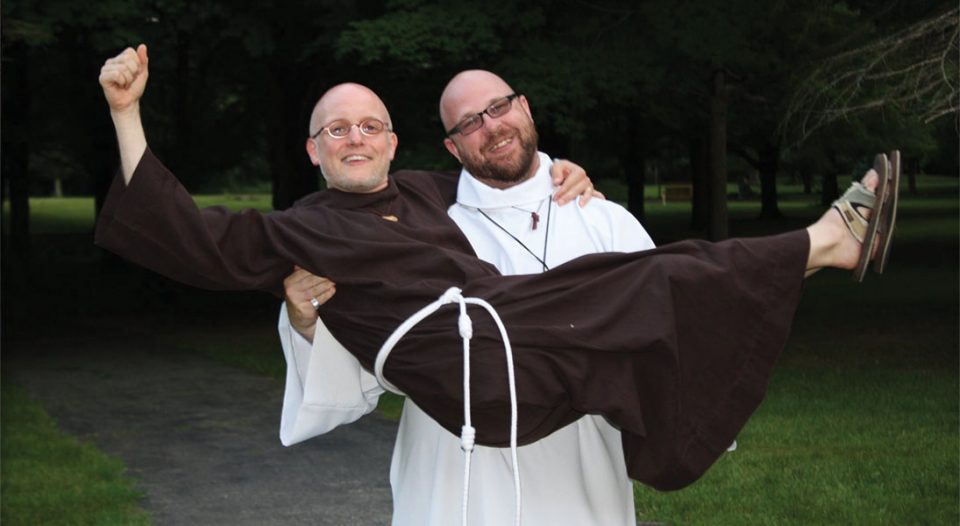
<point>912,167</point>
<point>291,173</point>
<point>634,168</point>
<point>97,148</point>
<point>16,145</point>
<point>768,165</point>
<point>717,228</point>
<point>181,162</point>
<point>831,189</point>
<point>699,177</point>
<point>636,180</point>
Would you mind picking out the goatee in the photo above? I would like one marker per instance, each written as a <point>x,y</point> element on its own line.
<point>508,170</point>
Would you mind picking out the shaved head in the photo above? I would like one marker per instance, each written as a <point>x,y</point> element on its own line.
<point>503,150</point>
<point>463,88</point>
<point>357,162</point>
<point>348,93</point>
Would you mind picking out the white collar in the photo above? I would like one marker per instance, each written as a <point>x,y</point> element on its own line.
<point>475,194</point>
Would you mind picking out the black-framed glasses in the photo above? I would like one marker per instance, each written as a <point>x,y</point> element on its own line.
<point>340,128</point>
<point>497,109</point>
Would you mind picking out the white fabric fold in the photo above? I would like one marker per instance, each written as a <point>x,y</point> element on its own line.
<point>349,392</point>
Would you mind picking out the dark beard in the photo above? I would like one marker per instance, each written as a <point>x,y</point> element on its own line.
<point>506,174</point>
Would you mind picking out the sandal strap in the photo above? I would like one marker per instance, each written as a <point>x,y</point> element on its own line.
<point>850,206</point>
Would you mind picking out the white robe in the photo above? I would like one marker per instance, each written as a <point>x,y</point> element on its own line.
<point>574,476</point>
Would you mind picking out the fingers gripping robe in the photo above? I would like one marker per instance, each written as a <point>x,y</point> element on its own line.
<point>124,78</point>
<point>304,292</point>
<point>573,182</point>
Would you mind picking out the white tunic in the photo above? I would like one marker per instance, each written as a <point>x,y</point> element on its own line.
<point>574,476</point>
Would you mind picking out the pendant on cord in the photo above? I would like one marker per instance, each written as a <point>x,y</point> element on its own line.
<point>534,220</point>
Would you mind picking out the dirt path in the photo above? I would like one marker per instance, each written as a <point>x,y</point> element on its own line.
<point>201,437</point>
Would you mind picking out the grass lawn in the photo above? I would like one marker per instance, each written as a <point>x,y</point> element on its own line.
<point>51,479</point>
<point>860,425</point>
<point>67,215</point>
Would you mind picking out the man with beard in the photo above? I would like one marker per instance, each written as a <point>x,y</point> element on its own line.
<point>575,475</point>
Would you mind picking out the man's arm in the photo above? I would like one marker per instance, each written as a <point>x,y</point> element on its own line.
<point>303,293</point>
<point>155,223</point>
<point>123,79</point>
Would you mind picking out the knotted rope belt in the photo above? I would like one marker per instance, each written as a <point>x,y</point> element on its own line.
<point>468,432</point>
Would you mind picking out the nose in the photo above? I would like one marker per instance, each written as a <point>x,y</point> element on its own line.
<point>491,126</point>
<point>355,136</point>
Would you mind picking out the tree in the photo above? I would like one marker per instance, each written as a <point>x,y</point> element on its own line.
<point>46,46</point>
<point>912,70</point>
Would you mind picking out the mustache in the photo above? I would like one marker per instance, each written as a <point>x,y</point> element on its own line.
<point>499,137</point>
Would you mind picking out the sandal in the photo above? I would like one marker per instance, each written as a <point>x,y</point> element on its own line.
<point>851,204</point>
<point>889,215</point>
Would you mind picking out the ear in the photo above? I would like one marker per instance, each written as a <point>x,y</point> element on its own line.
<point>312,152</point>
<point>394,140</point>
<point>451,147</point>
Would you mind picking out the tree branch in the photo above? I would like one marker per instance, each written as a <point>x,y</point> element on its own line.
<point>911,69</point>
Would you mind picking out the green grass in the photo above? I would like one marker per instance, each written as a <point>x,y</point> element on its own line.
<point>860,426</point>
<point>253,348</point>
<point>861,422</point>
<point>833,446</point>
<point>65,215</point>
<point>51,479</point>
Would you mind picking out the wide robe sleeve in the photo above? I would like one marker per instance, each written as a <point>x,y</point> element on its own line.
<point>153,222</point>
<point>325,385</point>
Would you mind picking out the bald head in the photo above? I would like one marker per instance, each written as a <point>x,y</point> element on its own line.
<point>502,150</point>
<point>359,161</point>
<point>344,99</point>
<point>468,89</point>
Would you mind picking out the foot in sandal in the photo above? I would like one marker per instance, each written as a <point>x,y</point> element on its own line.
<point>859,226</point>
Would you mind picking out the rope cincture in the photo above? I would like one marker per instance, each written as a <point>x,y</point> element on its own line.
<point>468,432</point>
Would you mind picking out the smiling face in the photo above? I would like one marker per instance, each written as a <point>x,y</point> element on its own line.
<point>356,163</point>
<point>503,152</point>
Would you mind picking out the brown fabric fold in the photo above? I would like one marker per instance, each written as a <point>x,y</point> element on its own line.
<point>673,345</point>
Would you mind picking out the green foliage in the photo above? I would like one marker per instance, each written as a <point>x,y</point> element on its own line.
<point>232,83</point>
<point>423,38</point>
<point>46,24</point>
<point>48,478</point>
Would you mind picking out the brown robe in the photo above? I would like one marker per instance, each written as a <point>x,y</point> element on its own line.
<point>673,345</point>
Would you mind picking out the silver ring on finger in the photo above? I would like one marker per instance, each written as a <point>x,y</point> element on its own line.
<point>315,302</point>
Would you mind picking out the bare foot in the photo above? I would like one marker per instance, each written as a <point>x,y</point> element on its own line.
<point>831,243</point>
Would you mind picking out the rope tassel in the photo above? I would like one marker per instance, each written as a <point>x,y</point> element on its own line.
<point>468,432</point>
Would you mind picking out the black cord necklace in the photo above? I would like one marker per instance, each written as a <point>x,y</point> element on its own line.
<point>534,215</point>
<point>536,218</point>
